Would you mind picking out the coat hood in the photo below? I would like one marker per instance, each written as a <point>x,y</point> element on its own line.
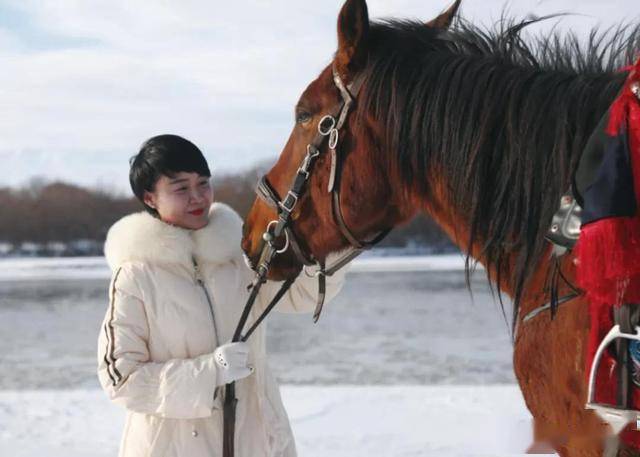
<point>142,237</point>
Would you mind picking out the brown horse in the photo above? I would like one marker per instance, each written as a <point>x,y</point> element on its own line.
<point>481,130</point>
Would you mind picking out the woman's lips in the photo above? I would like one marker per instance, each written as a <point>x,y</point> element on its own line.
<point>197,212</point>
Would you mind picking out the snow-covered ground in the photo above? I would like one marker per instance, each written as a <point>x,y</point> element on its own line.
<point>336,421</point>
<point>38,269</point>
<point>53,268</point>
<point>404,362</point>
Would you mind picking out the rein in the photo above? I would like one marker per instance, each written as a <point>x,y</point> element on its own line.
<point>328,131</point>
<point>328,128</point>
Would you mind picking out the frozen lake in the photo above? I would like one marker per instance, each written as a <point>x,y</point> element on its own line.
<point>396,322</point>
<point>404,341</point>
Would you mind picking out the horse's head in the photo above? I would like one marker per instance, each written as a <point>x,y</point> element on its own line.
<point>364,203</point>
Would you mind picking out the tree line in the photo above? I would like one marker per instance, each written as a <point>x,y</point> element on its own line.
<point>47,218</point>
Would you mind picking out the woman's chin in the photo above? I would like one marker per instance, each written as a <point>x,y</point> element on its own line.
<point>201,224</point>
<point>189,223</point>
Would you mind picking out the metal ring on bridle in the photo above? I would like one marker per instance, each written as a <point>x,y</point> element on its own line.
<point>326,130</point>
<point>333,138</point>
<point>327,127</point>
<point>268,237</point>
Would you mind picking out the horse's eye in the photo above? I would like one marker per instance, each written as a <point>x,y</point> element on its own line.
<point>303,118</point>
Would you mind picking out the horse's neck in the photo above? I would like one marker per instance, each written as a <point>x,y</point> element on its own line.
<point>582,101</point>
<point>458,232</point>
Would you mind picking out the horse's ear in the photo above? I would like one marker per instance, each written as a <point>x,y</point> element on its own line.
<point>445,19</point>
<point>353,28</point>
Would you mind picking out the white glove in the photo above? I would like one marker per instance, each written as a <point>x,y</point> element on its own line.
<point>232,362</point>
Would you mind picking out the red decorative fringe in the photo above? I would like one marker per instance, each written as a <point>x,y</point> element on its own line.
<point>608,255</point>
<point>608,250</point>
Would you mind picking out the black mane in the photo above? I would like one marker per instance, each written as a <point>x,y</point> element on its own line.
<point>502,118</point>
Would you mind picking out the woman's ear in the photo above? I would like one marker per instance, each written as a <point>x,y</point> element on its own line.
<point>149,199</point>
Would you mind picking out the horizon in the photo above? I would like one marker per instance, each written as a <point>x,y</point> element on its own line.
<point>85,85</point>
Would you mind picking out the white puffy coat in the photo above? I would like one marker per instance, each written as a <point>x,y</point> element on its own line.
<point>159,332</point>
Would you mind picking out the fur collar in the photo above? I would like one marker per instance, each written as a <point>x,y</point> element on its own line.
<point>142,237</point>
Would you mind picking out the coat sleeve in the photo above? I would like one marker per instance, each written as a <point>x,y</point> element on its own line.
<point>178,389</point>
<point>303,294</point>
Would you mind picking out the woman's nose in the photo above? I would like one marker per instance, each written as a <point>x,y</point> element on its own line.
<point>196,195</point>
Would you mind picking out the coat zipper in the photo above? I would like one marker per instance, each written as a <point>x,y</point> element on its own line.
<point>200,281</point>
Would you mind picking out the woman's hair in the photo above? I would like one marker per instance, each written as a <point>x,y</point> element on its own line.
<point>164,155</point>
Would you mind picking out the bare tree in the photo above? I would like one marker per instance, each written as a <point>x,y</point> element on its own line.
<point>44,212</point>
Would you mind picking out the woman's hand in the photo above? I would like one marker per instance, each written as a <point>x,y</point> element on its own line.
<point>232,363</point>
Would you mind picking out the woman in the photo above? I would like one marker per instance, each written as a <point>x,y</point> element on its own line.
<point>178,287</point>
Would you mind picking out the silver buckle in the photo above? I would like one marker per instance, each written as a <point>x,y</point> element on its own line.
<point>293,205</point>
<point>311,153</point>
<point>304,166</point>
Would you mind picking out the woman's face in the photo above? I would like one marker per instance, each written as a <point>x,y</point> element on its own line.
<point>182,200</point>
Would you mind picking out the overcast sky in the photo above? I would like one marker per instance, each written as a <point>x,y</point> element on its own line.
<point>84,83</point>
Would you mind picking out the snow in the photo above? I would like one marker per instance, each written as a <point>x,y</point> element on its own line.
<point>335,421</point>
<point>450,262</point>
<point>53,268</point>
<point>409,328</point>
<point>403,389</point>
<point>59,268</point>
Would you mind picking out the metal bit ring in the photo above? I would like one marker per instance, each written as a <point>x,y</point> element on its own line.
<point>268,234</point>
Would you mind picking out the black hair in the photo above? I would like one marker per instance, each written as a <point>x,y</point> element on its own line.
<point>163,155</point>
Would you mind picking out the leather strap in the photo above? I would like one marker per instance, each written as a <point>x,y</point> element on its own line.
<point>297,249</point>
<point>339,220</point>
<point>230,400</point>
<point>282,227</point>
<point>229,420</point>
<point>622,317</point>
<point>322,292</point>
<point>285,287</point>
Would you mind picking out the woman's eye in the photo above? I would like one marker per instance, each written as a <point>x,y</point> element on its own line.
<point>181,189</point>
<point>303,118</point>
<point>204,183</point>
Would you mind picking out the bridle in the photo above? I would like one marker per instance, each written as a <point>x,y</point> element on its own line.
<point>328,131</point>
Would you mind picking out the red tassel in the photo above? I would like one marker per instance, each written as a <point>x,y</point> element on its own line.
<point>608,255</point>
<point>625,110</point>
<point>608,250</point>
